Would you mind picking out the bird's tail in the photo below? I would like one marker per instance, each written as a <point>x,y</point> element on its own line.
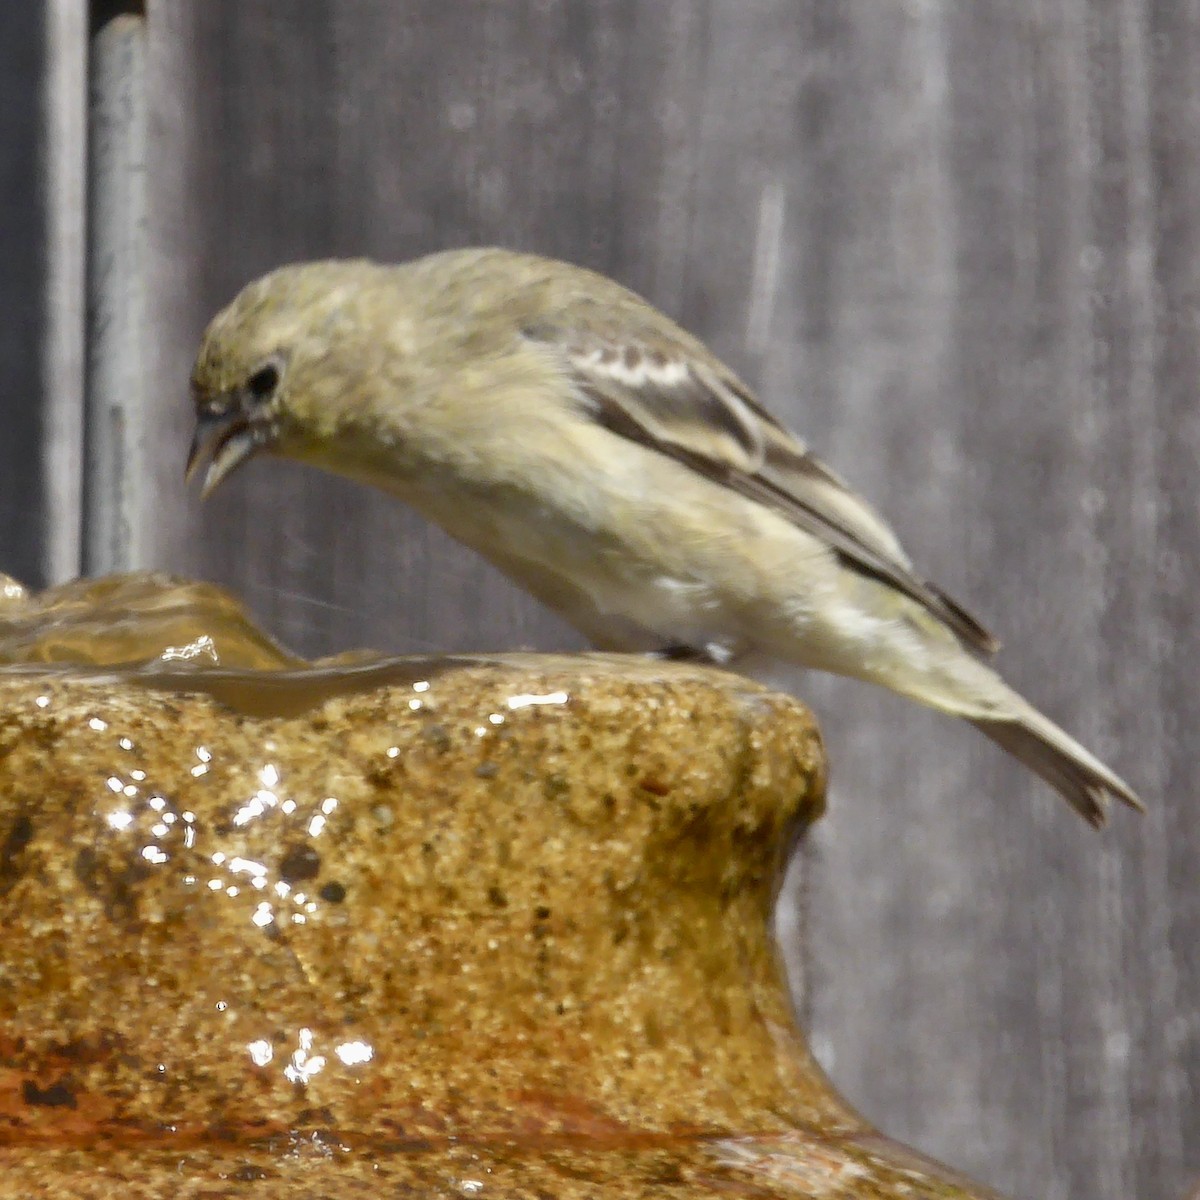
<point>957,682</point>
<point>1082,779</point>
<point>945,676</point>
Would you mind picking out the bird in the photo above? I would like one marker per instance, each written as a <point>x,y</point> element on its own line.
<point>608,462</point>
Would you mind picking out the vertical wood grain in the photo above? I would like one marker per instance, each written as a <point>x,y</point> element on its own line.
<point>1019,434</point>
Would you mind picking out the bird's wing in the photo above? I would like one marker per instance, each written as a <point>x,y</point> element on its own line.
<point>673,397</point>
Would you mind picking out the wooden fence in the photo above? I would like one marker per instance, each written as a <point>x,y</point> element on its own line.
<point>956,245</point>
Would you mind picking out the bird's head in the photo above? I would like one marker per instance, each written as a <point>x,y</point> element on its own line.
<point>265,378</point>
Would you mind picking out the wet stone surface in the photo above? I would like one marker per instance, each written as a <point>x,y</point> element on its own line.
<point>478,926</point>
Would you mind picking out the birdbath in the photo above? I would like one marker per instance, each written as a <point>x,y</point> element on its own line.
<point>488,925</point>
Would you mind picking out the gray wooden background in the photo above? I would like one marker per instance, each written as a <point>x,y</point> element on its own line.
<point>957,245</point>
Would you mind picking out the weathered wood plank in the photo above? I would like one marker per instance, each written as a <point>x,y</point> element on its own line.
<point>1006,289</point>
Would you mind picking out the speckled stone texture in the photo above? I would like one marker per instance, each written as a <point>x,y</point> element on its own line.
<point>492,927</point>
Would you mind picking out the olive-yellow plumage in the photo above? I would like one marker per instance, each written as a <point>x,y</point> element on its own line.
<point>606,460</point>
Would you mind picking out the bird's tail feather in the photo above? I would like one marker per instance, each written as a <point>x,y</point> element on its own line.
<point>1082,779</point>
<point>960,685</point>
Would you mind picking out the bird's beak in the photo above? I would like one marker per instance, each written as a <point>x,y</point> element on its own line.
<point>224,441</point>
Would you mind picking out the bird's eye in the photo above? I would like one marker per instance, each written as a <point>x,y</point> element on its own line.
<point>263,382</point>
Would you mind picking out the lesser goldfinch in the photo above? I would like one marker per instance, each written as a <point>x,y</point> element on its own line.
<point>608,462</point>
